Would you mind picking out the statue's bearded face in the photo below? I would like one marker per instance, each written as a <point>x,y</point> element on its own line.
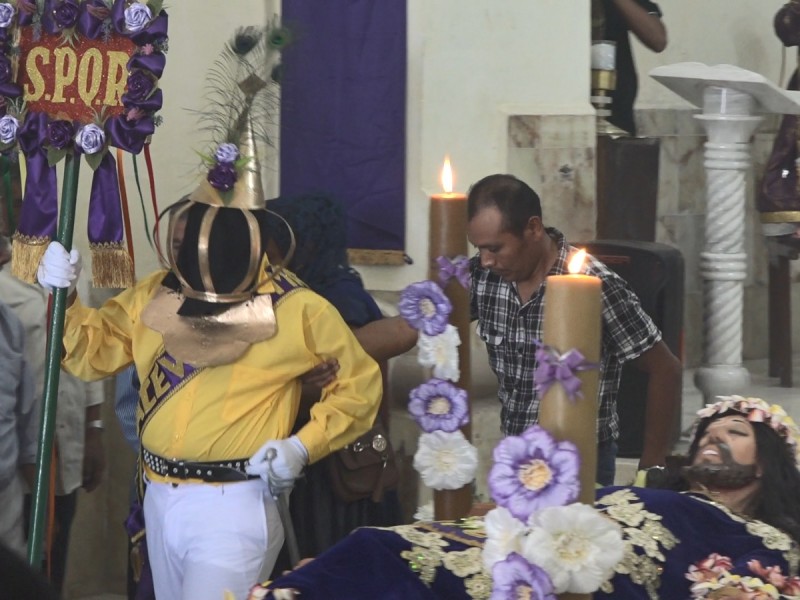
<point>726,455</point>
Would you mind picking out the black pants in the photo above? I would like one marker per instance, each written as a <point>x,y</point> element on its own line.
<point>64,514</point>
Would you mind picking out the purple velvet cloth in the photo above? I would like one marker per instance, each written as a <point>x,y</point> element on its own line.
<point>105,213</point>
<point>343,112</point>
<point>39,212</point>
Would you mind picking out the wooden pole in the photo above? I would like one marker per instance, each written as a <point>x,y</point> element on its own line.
<point>66,225</point>
<point>448,238</point>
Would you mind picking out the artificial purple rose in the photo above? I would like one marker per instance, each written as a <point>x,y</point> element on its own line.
<point>6,15</point>
<point>222,176</point>
<point>226,153</point>
<point>66,13</point>
<point>8,129</point>
<point>59,134</point>
<point>425,307</point>
<point>6,70</point>
<point>515,578</point>
<point>140,86</point>
<point>533,471</point>
<point>137,16</point>
<point>438,405</point>
<point>91,138</point>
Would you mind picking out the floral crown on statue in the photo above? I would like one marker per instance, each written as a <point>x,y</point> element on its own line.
<point>756,410</point>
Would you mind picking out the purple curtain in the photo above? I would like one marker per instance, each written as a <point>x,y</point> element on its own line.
<point>343,96</point>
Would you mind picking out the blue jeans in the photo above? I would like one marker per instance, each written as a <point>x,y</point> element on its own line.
<point>606,462</point>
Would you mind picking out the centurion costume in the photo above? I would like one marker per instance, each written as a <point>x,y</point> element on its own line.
<point>219,343</point>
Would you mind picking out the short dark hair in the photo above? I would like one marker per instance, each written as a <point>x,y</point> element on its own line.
<point>514,198</point>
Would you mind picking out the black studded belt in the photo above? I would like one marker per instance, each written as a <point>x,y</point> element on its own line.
<point>212,472</point>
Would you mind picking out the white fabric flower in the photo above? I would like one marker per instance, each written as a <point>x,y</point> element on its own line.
<point>441,353</point>
<point>576,545</point>
<point>446,461</point>
<point>504,535</point>
<point>424,512</point>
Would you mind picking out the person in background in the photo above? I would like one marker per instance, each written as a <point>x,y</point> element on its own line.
<point>320,259</point>
<point>80,452</point>
<point>613,20</point>
<point>19,422</point>
<point>516,253</point>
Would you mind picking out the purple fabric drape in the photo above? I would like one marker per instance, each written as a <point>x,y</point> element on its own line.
<point>105,213</point>
<point>343,112</point>
<point>39,212</point>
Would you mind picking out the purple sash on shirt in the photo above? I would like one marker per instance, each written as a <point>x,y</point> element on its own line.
<point>165,378</point>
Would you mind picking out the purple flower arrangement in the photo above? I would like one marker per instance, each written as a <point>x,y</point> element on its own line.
<point>515,578</point>
<point>533,471</point>
<point>438,405</point>
<point>445,459</point>
<point>425,307</point>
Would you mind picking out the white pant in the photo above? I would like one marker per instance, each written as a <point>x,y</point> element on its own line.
<point>204,539</point>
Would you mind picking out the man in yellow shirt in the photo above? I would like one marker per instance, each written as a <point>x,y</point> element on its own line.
<point>219,343</point>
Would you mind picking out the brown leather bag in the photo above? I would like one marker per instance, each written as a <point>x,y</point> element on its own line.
<point>364,469</point>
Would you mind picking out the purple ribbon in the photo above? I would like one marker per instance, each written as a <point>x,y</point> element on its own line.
<point>105,213</point>
<point>552,367</point>
<point>90,22</point>
<point>457,268</point>
<point>39,212</point>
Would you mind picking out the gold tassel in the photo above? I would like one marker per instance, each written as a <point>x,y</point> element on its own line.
<point>26,252</point>
<point>112,267</point>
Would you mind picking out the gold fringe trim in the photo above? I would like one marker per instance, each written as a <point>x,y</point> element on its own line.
<point>112,267</point>
<point>26,253</point>
<point>365,256</point>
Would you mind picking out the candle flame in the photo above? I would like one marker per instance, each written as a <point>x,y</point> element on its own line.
<point>447,176</point>
<point>576,262</point>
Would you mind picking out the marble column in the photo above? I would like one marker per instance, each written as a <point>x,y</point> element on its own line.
<point>730,98</point>
<point>729,123</point>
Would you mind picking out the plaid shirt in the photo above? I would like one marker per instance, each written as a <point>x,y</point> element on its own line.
<point>509,327</point>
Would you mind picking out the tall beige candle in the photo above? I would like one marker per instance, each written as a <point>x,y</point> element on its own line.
<point>448,238</point>
<point>572,319</point>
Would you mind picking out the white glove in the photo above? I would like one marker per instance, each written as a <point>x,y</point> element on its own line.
<point>59,268</point>
<point>279,463</point>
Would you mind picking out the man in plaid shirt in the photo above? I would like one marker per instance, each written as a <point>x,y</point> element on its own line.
<point>516,253</point>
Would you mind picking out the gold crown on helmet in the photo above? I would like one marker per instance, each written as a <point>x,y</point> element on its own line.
<point>240,114</point>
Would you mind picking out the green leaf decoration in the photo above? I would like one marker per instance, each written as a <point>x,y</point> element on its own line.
<point>155,6</point>
<point>55,154</point>
<point>94,160</point>
<point>242,162</point>
<point>227,197</point>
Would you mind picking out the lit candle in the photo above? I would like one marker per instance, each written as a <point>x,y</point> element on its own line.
<point>448,238</point>
<point>572,319</point>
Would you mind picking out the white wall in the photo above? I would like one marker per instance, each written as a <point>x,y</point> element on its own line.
<point>469,65</point>
<point>738,32</point>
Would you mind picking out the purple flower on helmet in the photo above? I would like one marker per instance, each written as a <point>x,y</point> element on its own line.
<point>140,86</point>
<point>65,14</point>
<point>222,176</point>
<point>425,307</point>
<point>137,16</point>
<point>91,138</point>
<point>438,405</point>
<point>6,71</point>
<point>59,133</point>
<point>6,15</point>
<point>515,578</point>
<point>533,471</point>
<point>226,153</point>
<point>8,129</point>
